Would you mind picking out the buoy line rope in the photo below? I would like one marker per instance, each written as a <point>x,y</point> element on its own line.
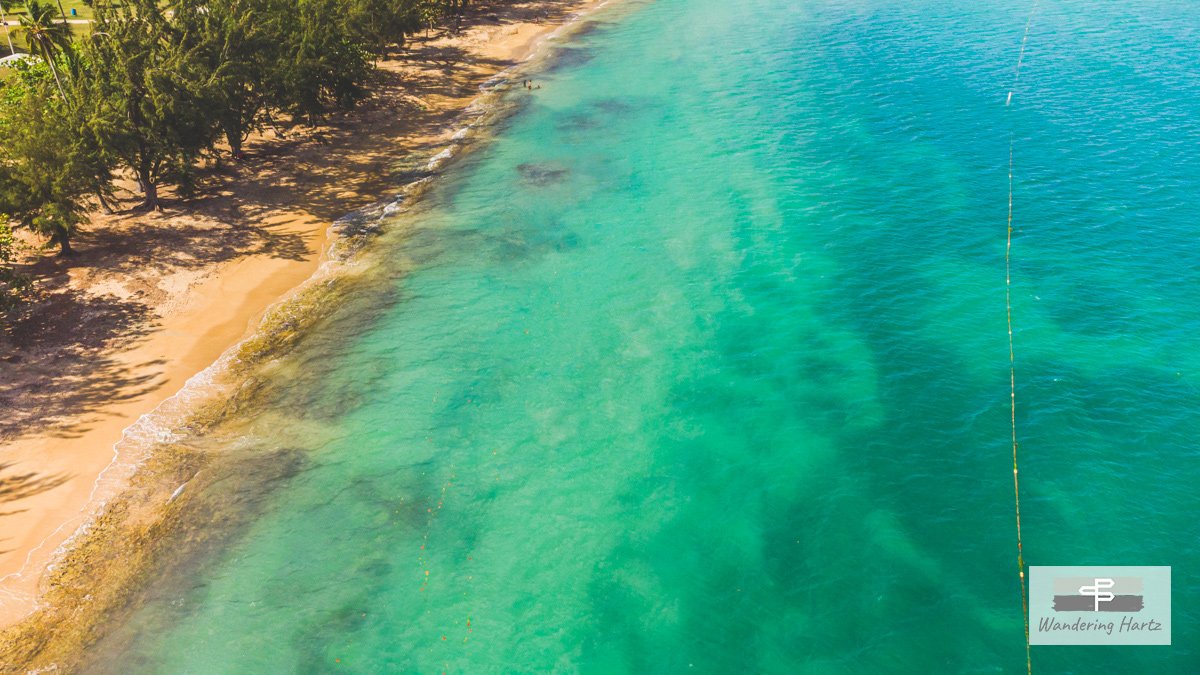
<point>1012,361</point>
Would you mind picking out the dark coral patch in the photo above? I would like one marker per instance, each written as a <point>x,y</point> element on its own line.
<point>542,175</point>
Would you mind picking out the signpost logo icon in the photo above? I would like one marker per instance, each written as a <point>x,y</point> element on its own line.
<point>1098,594</point>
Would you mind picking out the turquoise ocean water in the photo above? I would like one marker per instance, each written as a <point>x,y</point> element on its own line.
<point>701,365</point>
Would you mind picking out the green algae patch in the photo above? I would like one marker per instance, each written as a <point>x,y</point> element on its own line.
<point>89,585</point>
<point>283,327</point>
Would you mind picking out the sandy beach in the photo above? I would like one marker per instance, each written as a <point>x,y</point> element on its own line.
<point>150,300</point>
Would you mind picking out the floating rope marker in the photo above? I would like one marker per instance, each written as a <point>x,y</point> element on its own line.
<point>1012,361</point>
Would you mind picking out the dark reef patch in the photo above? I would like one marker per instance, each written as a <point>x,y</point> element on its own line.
<point>576,122</point>
<point>597,115</point>
<point>587,28</point>
<point>613,106</point>
<point>542,175</point>
<point>569,57</point>
<point>515,246</point>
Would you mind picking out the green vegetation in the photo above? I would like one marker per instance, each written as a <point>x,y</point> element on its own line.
<point>44,165</point>
<point>153,87</point>
<point>12,284</point>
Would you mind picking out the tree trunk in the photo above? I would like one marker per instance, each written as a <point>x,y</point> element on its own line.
<point>233,136</point>
<point>151,201</point>
<point>49,56</point>
<point>63,240</point>
<point>149,189</point>
<point>235,145</point>
<point>271,123</point>
<point>4,19</point>
<point>104,202</point>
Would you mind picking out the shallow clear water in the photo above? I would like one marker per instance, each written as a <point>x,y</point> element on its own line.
<point>702,364</point>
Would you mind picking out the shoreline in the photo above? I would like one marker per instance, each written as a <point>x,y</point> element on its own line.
<point>219,312</point>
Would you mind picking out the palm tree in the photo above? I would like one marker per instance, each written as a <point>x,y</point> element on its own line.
<point>4,20</point>
<point>46,35</point>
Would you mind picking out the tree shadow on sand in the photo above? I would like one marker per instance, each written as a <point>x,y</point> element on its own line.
<point>17,486</point>
<point>54,365</point>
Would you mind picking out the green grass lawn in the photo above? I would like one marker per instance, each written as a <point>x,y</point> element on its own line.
<point>14,12</point>
<point>82,11</point>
